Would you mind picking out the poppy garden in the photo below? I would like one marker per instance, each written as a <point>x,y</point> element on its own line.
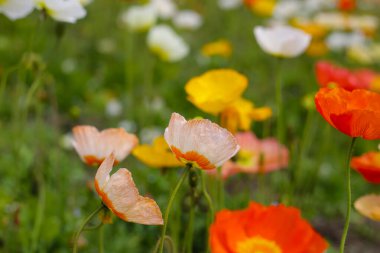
<point>223,126</point>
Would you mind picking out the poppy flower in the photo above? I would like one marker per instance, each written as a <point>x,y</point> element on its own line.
<point>331,75</point>
<point>68,11</point>
<point>94,146</point>
<point>221,48</point>
<point>368,165</point>
<point>219,92</point>
<point>200,142</point>
<point>157,155</point>
<point>16,9</point>
<point>272,229</point>
<point>119,193</point>
<point>139,18</point>
<point>347,5</point>
<point>261,7</point>
<point>166,44</point>
<point>355,113</point>
<point>282,41</point>
<point>369,206</point>
<point>256,156</point>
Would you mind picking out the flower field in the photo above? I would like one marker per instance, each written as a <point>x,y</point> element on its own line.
<point>189,126</point>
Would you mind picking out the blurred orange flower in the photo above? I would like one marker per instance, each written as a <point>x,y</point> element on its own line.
<point>94,146</point>
<point>200,142</point>
<point>347,5</point>
<point>330,75</point>
<point>369,206</point>
<point>368,165</point>
<point>273,229</point>
<point>355,113</point>
<point>119,193</point>
<point>261,7</point>
<point>157,155</point>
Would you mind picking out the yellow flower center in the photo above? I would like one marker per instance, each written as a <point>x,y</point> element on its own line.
<point>258,244</point>
<point>164,55</point>
<point>245,158</point>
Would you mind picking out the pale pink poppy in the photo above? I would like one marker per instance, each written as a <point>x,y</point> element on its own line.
<point>119,193</point>
<point>369,206</point>
<point>94,146</point>
<point>256,156</point>
<point>200,142</point>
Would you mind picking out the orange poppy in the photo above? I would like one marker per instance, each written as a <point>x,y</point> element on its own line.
<point>368,165</point>
<point>272,229</point>
<point>355,113</point>
<point>347,5</point>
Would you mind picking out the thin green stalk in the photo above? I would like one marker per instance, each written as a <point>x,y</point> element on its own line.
<point>190,230</point>
<point>101,239</point>
<point>348,189</point>
<point>210,205</point>
<point>39,212</point>
<point>280,121</point>
<point>169,206</point>
<point>83,225</point>
<point>220,192</point>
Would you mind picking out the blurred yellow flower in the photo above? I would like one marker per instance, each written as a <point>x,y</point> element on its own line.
<point>219,92</point>
<point>241,113</point>
<point>217,48</point>
<point>369,206</point>
<point>317,48</point>
<point>213,91</point>
<point>262,7</point>
<point>157,155</point>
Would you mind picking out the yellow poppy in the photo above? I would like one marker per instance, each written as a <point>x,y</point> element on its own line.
<point>215,90</point>
<point>263,7</point>
<point>220,47</point>
<point>317,48</point>
<point>157,155</point>
<point>241,113</point>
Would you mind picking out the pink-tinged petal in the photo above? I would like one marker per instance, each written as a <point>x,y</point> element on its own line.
<point>276,156</point>
<point>248,141</point>
<point>85,140</point>
<point>103,174</point>
<point>116,140</point>
<point>93,146</point>
<point>201,141</point>
<point>120,194</point>
<point>369,206</point>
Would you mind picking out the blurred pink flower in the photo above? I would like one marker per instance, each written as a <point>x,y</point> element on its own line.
<point>255,156</point>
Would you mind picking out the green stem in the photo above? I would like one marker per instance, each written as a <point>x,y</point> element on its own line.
<point>348,189</point>
<point>220,192</point>
<point>210,205</point>
<point>101,239</point>
<point>190,230</point>
<point>83,225</point>
<point>39,213</point>
<point>280,122</point>
<point>167,211</point>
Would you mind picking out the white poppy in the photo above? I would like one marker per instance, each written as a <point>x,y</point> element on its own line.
<point>200,142</point>
<point>15,9</point>
<point>282,41</point>
<point>166,9</point>
<point>187,19</point>
<point>164,42</point>
<point>229,4</point>
<point>140,18</point>
<point>339,40</point>
<point>62,10</point>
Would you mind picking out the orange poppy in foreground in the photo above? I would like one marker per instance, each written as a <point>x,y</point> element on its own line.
<point>272,229</point>
<point>120,194</point>
<point>94,146</point>
<point>368,165</point>
<point>355,113</point>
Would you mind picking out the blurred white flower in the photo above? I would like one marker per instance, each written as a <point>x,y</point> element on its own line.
<point>128,125</point>
<point>286,9</point>
<point>187,19</point>
<point>62,10</point>
<point>165,8</point>
<point>85,2</point>
<point>333,20</point>
<point>164,42</point>
<point>339,40</point>
<point>15,9</point>
<point>282,41</point>
<point>229,4</point>
<point>148,134</point>
<point>66,141</point>
<point>114,108</point>
<point>140,18</point>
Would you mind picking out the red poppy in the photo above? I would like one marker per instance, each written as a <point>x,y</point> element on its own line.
<point>347,5</point>
<point>331,75</point>
<point>368,165</point>
<point>355,113</point>
<point>273,229</point>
